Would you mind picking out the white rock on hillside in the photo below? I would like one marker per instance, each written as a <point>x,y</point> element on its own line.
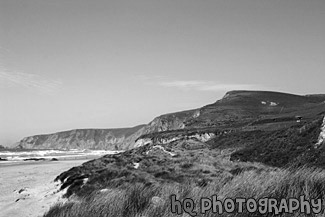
<point>321,137</point>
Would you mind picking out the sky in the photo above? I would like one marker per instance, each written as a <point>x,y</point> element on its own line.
<point>71,64</point>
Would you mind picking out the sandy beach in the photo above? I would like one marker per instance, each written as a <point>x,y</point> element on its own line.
<point>28,189</point>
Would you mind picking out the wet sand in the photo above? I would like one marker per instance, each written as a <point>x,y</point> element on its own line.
<point>28,189</point>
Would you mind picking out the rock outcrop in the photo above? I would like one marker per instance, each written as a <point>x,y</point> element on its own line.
<point>321,138</point>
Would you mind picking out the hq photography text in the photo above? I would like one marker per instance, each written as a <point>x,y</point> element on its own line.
<point>240,205</point>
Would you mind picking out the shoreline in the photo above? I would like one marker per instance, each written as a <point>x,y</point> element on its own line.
<point>59,159</point>
<point>28,188</point>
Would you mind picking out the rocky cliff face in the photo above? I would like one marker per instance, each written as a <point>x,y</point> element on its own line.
<point>104,139</point>
<point>169,122</point>
<point>108,139</point>
<point>202,137</point>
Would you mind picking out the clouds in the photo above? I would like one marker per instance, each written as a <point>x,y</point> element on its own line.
<point>195,85</point>
<point>14,78</point>
<point>201,85</point>
<point>30,81</point>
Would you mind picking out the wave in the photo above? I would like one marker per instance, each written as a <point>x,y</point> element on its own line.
<point>11,156</point>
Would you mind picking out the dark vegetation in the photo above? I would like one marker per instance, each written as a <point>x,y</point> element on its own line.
<point>155,167</point>
<point>283,147</point>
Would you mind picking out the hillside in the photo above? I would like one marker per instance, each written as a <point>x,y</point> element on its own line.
<point>237,111</point>
<point>275,129</point>
<point>108,139</point>
<point>241,111</point>
<point>248,144</point>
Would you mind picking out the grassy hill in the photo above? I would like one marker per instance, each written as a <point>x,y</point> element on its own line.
<point>249,144</point>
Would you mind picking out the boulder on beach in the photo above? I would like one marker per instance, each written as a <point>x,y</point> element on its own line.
<point>34,159</point>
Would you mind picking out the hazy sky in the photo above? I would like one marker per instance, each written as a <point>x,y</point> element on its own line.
<point>68,64</point>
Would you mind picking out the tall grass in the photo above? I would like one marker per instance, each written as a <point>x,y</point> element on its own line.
<point>142,200</point>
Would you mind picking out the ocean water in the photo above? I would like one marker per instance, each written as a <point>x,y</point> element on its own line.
<point>11,156</point>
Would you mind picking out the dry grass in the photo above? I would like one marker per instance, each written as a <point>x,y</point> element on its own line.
<point>140,200</point>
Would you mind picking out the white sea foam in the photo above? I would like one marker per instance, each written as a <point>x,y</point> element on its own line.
<point>17,156</point>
